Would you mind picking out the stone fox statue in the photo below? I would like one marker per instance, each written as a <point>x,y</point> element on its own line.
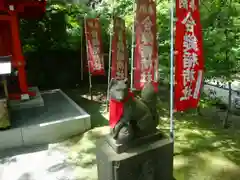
<point>132,117</point>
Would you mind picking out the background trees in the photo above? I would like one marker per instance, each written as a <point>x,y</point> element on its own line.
<point>52,44</point>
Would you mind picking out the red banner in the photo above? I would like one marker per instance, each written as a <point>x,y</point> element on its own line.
<point>2,5</point>
<point>119,69</point>
<point>189,55</point>
<point>94,46</point>
<point>146,51</point>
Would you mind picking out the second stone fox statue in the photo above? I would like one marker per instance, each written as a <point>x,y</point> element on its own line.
<point>132,117</point>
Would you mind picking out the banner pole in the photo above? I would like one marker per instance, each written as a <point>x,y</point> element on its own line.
<point>172,71</point>
<point>90,75</point>
<point>82,34</point>
<point>156,73</point>
<point>110,59</point>
<point>133,44</point>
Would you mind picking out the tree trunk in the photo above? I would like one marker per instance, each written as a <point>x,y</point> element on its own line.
<point>4,117</point>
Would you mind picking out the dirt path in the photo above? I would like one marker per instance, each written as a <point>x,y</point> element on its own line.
<point>73,159</point>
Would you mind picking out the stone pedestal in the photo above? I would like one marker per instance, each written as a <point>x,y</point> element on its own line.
<point>59,119</point>
<point>120,148</point>
<point>149,161</point>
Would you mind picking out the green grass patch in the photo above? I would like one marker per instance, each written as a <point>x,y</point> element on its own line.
<point>204,150</point>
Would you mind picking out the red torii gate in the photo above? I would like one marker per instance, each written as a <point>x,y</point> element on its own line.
<point>10,45</point>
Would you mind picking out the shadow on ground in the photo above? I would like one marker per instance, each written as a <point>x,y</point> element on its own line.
<point>81,152</point>
<point>96,107</point>
<point>76,155</point>
<point>204,149</point>
<point>70,159</point>
<point>6,155</point>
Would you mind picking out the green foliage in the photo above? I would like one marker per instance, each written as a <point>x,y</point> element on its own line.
<point>207,101</point>
<point>221,24</point>
<point>61,29</point>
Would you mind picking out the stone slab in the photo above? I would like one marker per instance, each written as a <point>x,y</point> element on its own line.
<point>68,120</point>
<point>58,106</point>
<point>11,138</point>
<point>53,132</point>
<point>58,119</point>
<point>36,101</point>
<point>149,161</point>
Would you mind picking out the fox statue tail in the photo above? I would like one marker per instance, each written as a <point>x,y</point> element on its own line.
<point>148,93</point>
<point>149,97</point>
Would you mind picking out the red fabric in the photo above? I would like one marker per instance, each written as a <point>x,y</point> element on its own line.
<point>146,44</point>
<point>116,109</point>
<point>94,51</point>
<point>182,12</point>
<point>5,38</point>
<point>2,5</point>
<point>26,9</point>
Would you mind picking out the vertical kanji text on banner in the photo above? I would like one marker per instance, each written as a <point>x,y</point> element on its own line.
<point>120,63</point>
<point>146,51</point>
<point>189,55</point>
<point>94,46</point>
